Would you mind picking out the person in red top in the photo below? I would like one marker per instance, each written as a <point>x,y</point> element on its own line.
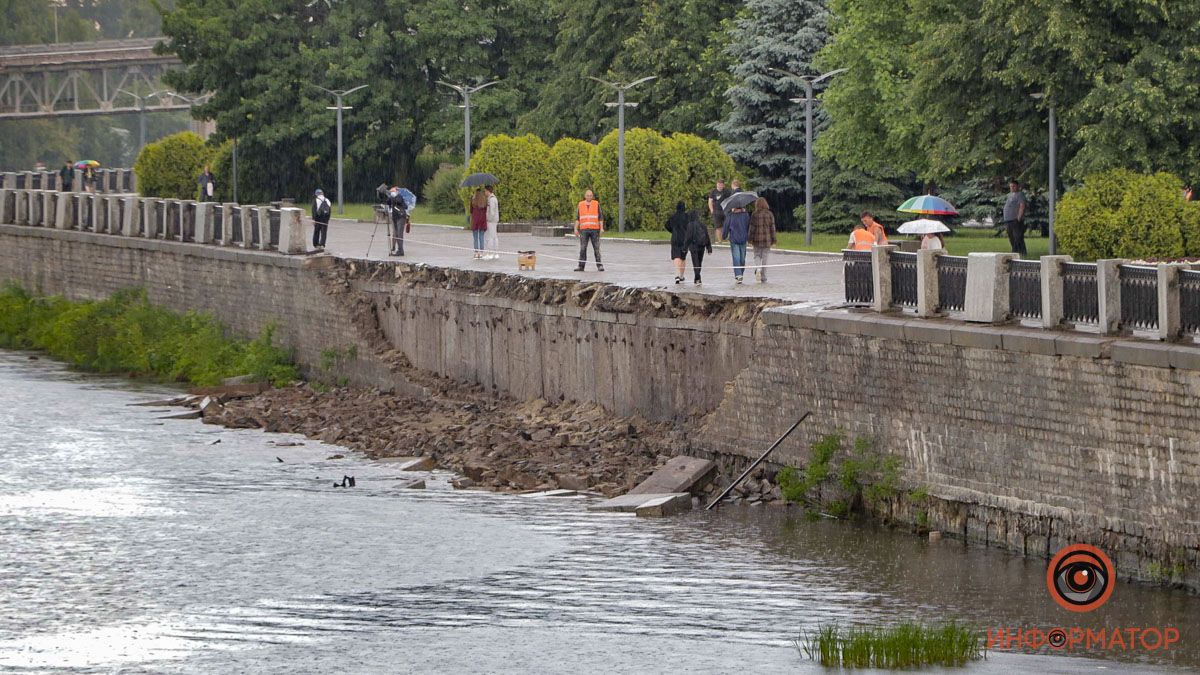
<point>589,225</point>
<point>478,221</point>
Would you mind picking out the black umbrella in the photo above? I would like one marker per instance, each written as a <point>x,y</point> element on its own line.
<point>738,201</point>
<point>477,179</point>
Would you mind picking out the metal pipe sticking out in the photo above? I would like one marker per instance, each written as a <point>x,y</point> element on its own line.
<point>758,461</point>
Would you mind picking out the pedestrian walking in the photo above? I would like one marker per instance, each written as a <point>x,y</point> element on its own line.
<point>932,241</point>
<point>89,178</point>
<point>737,232</point>
<point>762,236</point>
<point>677,225</point>
<point>875,228</point>
<point>66,176</point>
<point>1014,217</point>
<point>715,197</point>
<point>861,238</point>
<point>398,210</point>
<point>208,185</point>
<point>479,203</point>
<point>492,237</point>
<point>697,241</point>
<point>589,225</point>
<point>322,209</point>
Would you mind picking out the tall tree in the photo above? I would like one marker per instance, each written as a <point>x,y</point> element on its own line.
<point>764,129</point>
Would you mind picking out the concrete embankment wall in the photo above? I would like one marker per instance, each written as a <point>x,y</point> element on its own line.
<point>1022,439</point>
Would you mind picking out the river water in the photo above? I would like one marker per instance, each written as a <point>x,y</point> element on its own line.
<point>134,544</point>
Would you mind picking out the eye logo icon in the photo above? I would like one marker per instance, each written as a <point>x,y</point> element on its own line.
<point>1080,578</point>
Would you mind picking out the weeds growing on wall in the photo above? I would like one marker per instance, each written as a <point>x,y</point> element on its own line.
<point>126,334</point>
<point>861,473</point>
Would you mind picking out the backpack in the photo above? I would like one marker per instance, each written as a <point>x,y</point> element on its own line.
<point>324,210</point>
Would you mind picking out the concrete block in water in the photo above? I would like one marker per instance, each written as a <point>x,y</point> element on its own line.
<point>631,503</point>
<point>664,506</point>
<point>680,474</point>
<point>411,463</point>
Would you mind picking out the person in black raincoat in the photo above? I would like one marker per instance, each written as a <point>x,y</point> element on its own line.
<point>696,241</point>
<point>677,226</point>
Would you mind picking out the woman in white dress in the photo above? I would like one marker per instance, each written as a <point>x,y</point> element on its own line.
<point>492,238</point>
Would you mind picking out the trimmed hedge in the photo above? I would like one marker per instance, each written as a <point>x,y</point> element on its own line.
<point>526,188</point>
<point>441,190</point>
<point>566,158</point>
<point>1122,214</point>
<point>169,168</point>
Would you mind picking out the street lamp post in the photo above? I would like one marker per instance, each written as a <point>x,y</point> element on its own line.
<point>809,83</point>
<point>620,105</point>
<point>465,91</point>
<point>1053,168</point>
<point>338,94</point>
<point>192,102</point>
<point>142,113</point>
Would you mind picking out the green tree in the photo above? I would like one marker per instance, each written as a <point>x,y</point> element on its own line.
<point>169,168</point>
<point>566,157</point>
<point>764,129</point>
<point>845,194</point>
<point>1122,214</point>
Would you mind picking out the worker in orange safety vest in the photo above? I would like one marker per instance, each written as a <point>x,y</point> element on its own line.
<point>589,225</point>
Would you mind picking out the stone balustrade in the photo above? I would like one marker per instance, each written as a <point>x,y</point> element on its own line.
<point>260,227</point>
<point>1108,297</point>
<point>105,181</point>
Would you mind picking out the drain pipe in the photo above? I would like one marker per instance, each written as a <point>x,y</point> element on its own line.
<point>758,461</point>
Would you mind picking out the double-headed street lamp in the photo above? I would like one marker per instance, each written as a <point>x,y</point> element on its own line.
<point>809,82</point>
<point>465,91</point>
<point>620,105</point>
<point>142,113</point>
<point>192,101</point>
<point>338,94</point>
<point>1053,166</point>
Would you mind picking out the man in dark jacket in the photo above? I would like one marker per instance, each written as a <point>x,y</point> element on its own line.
<point>677,226</point>
<point>737,232</point>
<point>398,209</point>
<point>696,241</point>
<point>322,209</point>
<point>66,176</point>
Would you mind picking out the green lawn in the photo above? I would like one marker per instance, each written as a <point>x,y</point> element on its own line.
<point>961,243</point>
<point>366,212</point>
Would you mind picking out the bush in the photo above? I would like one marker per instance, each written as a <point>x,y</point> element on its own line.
<point>526,188</point>
<point>654,179</point>
<point>566,158</point>
<point>126,334</point>
<point>426,165</point>
<point>1122,214</point>
<point>168,168</point>
<point>441,191</point>
<point>703,163</point>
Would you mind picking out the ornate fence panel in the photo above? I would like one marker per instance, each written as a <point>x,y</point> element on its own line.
<point>952,282</point>
<point>218,224</point>
<point>274,224</point>
<point>1081,302</point>
<point>254,238</point>
<point>1189,300</point>
<point>904,279</point>
<point>1139,297</point>
<point>119,226</point>
<point>235,226</point>
<point>860,287</point>
<point>160,220</point>
<point>1025,289</point>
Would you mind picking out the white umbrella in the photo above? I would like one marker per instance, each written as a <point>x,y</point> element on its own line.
<point>923,226</point>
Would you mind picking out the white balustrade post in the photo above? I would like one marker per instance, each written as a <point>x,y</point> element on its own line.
<point>881,277</point>
<point>987,287</point>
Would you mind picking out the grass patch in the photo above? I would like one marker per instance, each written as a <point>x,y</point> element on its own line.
<point>961,243</point>
<point>905,645</point>
<point>421,215</point>
<point>126,334</point>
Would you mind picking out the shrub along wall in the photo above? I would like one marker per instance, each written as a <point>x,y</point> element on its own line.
<point>1122,214</point>
<point>169,168</point>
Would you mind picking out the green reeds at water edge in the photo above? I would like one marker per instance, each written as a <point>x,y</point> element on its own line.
<point>905,645</point>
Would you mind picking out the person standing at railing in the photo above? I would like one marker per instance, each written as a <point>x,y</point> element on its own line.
<point>861,238</point>
<point>875,228</point>
<point>208,185</point>
<point>932,241</point>
<point>479,205</point>
<point>66,176</point>
<point>1014,217</point>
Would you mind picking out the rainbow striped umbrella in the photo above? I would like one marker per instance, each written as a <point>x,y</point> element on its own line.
<point>928,205</point>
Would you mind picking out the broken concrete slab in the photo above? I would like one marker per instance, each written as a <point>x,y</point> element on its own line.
<point>681,474</point>
<point>412,485</point>
<point>193,415</point>
<point>630,503</point>
<point>667,505</point>
<point>553,493</point>
<point>411,463</point>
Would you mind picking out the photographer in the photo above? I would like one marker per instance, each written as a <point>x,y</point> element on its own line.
<point>397,209</point>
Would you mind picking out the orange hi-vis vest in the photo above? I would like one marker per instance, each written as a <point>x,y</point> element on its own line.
<point>863,240</point>
<point>589,215</point>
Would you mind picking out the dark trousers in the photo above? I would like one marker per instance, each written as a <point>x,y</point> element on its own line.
<point>1016,235</point>
<point>586,236</point>
<point>697,261</point>
<point>319,232</point>
<point>398,236</point>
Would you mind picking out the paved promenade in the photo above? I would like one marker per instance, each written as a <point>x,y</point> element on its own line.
<point>795,277</point>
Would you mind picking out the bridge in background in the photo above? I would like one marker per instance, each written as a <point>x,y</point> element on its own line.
<point>85,78</point>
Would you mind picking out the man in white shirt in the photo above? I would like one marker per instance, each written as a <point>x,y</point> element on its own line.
<point>322,209</point>
<point>492,237</point>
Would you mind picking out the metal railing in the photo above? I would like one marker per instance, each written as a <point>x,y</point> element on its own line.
<point>235,226</point>
<point>952,282</point>
<point>1081,302</point>
<point>218,226</point>
<point>1139,297</point>
<point>904,279</point>
<point>255,229</point>
<point>860,286</point>
<point>1189,300</point>
<point>1025,289</point>
<point>273,225</point>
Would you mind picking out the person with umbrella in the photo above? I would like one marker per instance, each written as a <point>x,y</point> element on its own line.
<point>479,204</point>
<point>398,202</point>
<point>737,229</point>
<point>930,231</point>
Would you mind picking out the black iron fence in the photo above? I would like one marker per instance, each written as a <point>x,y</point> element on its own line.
<point>1139,297</point>
<point>273,224</point>
<point>1025,289</point>
<point>860,286</point>
<point>1081,302</point>
<point>235,226</point>
<point>218,224</point>
<point>952,282</point>
<point>904,279</point>
<point>1189,300</point>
